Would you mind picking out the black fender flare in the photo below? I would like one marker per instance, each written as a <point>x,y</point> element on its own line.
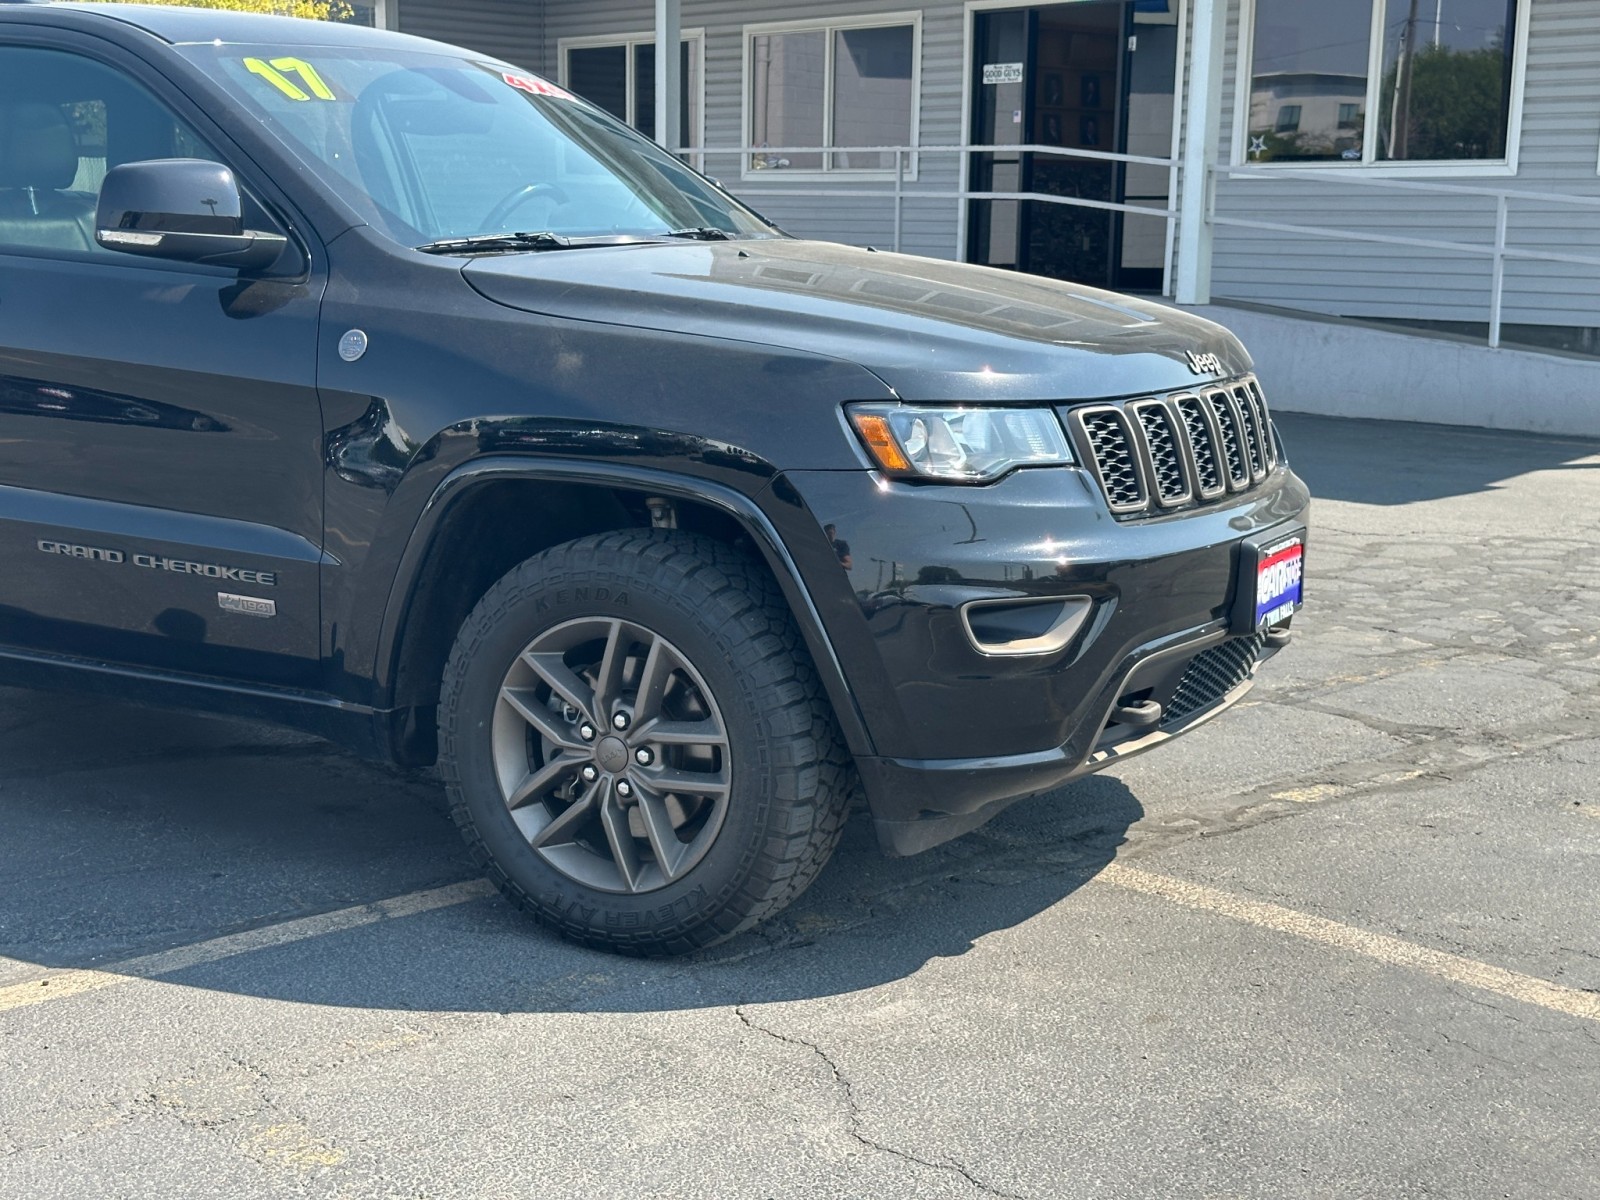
<point>737,505</point>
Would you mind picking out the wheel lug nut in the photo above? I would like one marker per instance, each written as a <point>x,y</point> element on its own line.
<point>589,773</point>
<point>643,757</point>
<point>586,732</point>
<point>620,721</point>
<point>624,788</point>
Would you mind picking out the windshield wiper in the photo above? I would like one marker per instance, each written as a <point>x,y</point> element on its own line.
<point>486,242</point>
<point>496,241</point>
<point>700,233</point>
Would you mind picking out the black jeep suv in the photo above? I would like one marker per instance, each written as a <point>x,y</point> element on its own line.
<point>367,385</point>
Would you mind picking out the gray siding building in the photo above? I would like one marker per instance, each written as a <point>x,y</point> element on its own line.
<point>1432,162</point>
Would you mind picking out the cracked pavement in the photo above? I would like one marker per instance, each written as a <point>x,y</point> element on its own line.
<point>998,1018</point>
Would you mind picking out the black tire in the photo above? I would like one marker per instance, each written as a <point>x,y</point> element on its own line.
<point>785,775</point>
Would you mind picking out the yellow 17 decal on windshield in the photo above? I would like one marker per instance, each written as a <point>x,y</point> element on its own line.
<point>277,73</point>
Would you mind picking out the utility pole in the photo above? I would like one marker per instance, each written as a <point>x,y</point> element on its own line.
<point>1400,134</point>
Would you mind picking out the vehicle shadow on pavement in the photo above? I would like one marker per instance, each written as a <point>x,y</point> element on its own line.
<point>1399,462</point>
<point>129,831</point>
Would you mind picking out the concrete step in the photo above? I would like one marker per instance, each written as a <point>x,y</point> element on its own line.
<point>1346,369</point>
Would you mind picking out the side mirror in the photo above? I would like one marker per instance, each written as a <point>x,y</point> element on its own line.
<point>183,210</point>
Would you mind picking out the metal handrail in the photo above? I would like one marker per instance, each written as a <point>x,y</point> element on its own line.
<point>1019,148</point>
<point>1499,251</point>
<point>1395,239</point>
<point>913,189</point>
<point>1349,176</point>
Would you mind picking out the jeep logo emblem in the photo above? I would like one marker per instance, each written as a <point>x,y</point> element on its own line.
<point>612,755</point>
<point>1204,364</point>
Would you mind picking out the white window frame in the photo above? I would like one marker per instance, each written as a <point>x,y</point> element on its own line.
<point>385,14</point>
<point>1486,168</point>
<point>828,28</point>
<point>695,138</point>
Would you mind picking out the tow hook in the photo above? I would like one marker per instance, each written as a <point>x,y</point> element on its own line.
<point>1140,716</point>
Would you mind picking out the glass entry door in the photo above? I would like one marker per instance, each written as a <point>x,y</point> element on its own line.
<point>1080,75</point>
<point>1002,50</point>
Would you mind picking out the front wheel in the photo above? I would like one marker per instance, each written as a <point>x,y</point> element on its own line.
<point>636,745</point>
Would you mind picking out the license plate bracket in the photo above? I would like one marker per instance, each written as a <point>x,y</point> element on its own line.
<point>1270,584</point>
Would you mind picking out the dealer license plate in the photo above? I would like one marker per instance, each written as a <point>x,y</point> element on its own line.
<point>1279,573</point>
<point>1271,580</point>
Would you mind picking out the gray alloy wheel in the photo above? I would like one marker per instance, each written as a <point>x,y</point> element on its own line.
<point>636,746</point>
<point>611,755</point>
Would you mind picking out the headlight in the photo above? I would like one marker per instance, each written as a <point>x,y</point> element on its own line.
<point>965,445</point>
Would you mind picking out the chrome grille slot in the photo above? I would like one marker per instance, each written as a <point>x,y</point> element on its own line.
<point>1163,440</point>
<point>1208,459</point>
<point>1157,454</point>
<point>1115,457</point>
<point>1269,444</point>
<point>1254,442</point>
<point>1232,438</point>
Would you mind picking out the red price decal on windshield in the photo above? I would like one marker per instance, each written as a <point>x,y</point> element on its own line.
<point>537,87</point>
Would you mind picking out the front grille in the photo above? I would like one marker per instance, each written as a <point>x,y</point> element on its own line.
<point>1116,459</point>
<point>1212,675</point>
<point>1254,439</point>
<point>1209,459</point>
<point>1160,453</point>
<point>1231,436</point>
<point>1163,438</point>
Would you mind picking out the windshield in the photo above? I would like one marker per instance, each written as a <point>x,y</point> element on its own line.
<point>434,148</point>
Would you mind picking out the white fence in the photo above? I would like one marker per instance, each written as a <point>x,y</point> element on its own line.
<point>1499,251</point>
<point>903,190</point>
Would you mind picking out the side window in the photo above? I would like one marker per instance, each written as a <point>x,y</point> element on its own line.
<point>64,122</point>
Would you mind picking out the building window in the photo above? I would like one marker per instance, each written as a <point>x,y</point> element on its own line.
<point>619,75</point>
<point>372,13</point>
<point>1382,81</point>
<point>841,88</point>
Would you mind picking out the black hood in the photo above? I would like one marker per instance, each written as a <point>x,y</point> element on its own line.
<point>931,330</point>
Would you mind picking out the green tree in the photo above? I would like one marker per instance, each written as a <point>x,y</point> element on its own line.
<point>1457,105</point>
<point>316,10</point>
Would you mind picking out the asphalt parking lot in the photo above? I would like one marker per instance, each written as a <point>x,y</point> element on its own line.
<point>1344,941</point>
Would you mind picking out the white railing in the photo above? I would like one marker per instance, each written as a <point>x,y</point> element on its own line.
<point>902,188</point>
<point>1499,251</point>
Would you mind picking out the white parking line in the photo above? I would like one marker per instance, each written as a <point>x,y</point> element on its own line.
<point>59,985</point>
<point>1527,989</point>
<point>1514,986</point>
